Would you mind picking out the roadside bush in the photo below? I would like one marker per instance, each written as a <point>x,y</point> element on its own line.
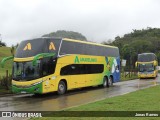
<point>5,82</point>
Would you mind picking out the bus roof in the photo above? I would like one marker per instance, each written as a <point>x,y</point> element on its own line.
<point>80,41</point>
<point>146,54</point>
<point>74,40</point>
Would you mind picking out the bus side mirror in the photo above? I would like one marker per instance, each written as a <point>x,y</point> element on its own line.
<point>136,64</point>
<point>155,63</point>
<point>42,55</point>
<point>4,60</point>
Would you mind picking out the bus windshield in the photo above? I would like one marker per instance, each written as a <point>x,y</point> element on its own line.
<point>25,71</point>
<point>146,67</point>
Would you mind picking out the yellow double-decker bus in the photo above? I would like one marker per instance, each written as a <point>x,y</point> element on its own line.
<point>147,65</point>
<point>45,65</point>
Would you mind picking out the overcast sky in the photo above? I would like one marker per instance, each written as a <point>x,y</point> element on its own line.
<point>98,20</point>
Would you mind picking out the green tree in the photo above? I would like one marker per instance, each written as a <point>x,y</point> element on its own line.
<point>13,49</point>
<point>138,41</point>
<point>66,34</point>
<point>128,53</point>
<point>2,43</point>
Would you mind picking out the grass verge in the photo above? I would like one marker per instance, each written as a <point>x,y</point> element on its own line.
<point>142,100</point>
<point>123,78</point>
<point>4,91</point>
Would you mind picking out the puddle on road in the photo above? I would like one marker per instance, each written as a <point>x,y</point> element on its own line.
<point>143,83</point>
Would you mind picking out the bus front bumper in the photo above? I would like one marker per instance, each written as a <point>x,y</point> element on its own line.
<point>27,89</point>
<point>146,75</point>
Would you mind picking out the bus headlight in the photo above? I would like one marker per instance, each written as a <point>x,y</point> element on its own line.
<point>37,83</point>
<point>154,72</point>
<point>53,77</point>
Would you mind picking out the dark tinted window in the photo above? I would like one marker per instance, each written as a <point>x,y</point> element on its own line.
<point>146,57</point>
<point>48,66</point>
<point>146,67</point>
<point>94,68</point>
<point>33,47</point>
<point>75,69</point>
<point>90,50</point>
<point>69,47</point>
<point>72,48</point>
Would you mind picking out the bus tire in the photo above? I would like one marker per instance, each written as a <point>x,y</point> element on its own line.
<point>61,88</point>
<point>110,81</point>
<point>104,82</point>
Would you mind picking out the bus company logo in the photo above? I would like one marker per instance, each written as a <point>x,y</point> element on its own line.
<point>51,46</point>
<point>28,47</point>
<point>78,60</point>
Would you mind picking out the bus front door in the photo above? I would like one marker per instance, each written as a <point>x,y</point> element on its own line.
<point>49,84</point>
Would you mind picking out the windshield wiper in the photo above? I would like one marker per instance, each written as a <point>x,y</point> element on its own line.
<point>17,78</point>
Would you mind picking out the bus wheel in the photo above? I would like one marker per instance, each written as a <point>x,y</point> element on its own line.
<point>110,82</point>
<point>61,88</point>
<point>104,82</point>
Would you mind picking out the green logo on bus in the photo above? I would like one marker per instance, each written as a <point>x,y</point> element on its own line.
<point>78,60</point>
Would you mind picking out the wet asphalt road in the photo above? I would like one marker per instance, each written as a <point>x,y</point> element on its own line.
<point>53,102</point>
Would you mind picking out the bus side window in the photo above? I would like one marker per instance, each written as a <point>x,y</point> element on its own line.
<point>74,69</point>
<point>94,68</point>
<point>65,70</point>
<point>69,70</point>
<point>77,69</point>
<point>48,66</point>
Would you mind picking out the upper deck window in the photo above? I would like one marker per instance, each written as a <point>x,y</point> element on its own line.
<point>70,47</point>
<point>30,48</point>
<point>146,57</point>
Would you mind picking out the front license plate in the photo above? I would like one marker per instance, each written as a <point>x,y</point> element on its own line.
<point>23,92</point>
